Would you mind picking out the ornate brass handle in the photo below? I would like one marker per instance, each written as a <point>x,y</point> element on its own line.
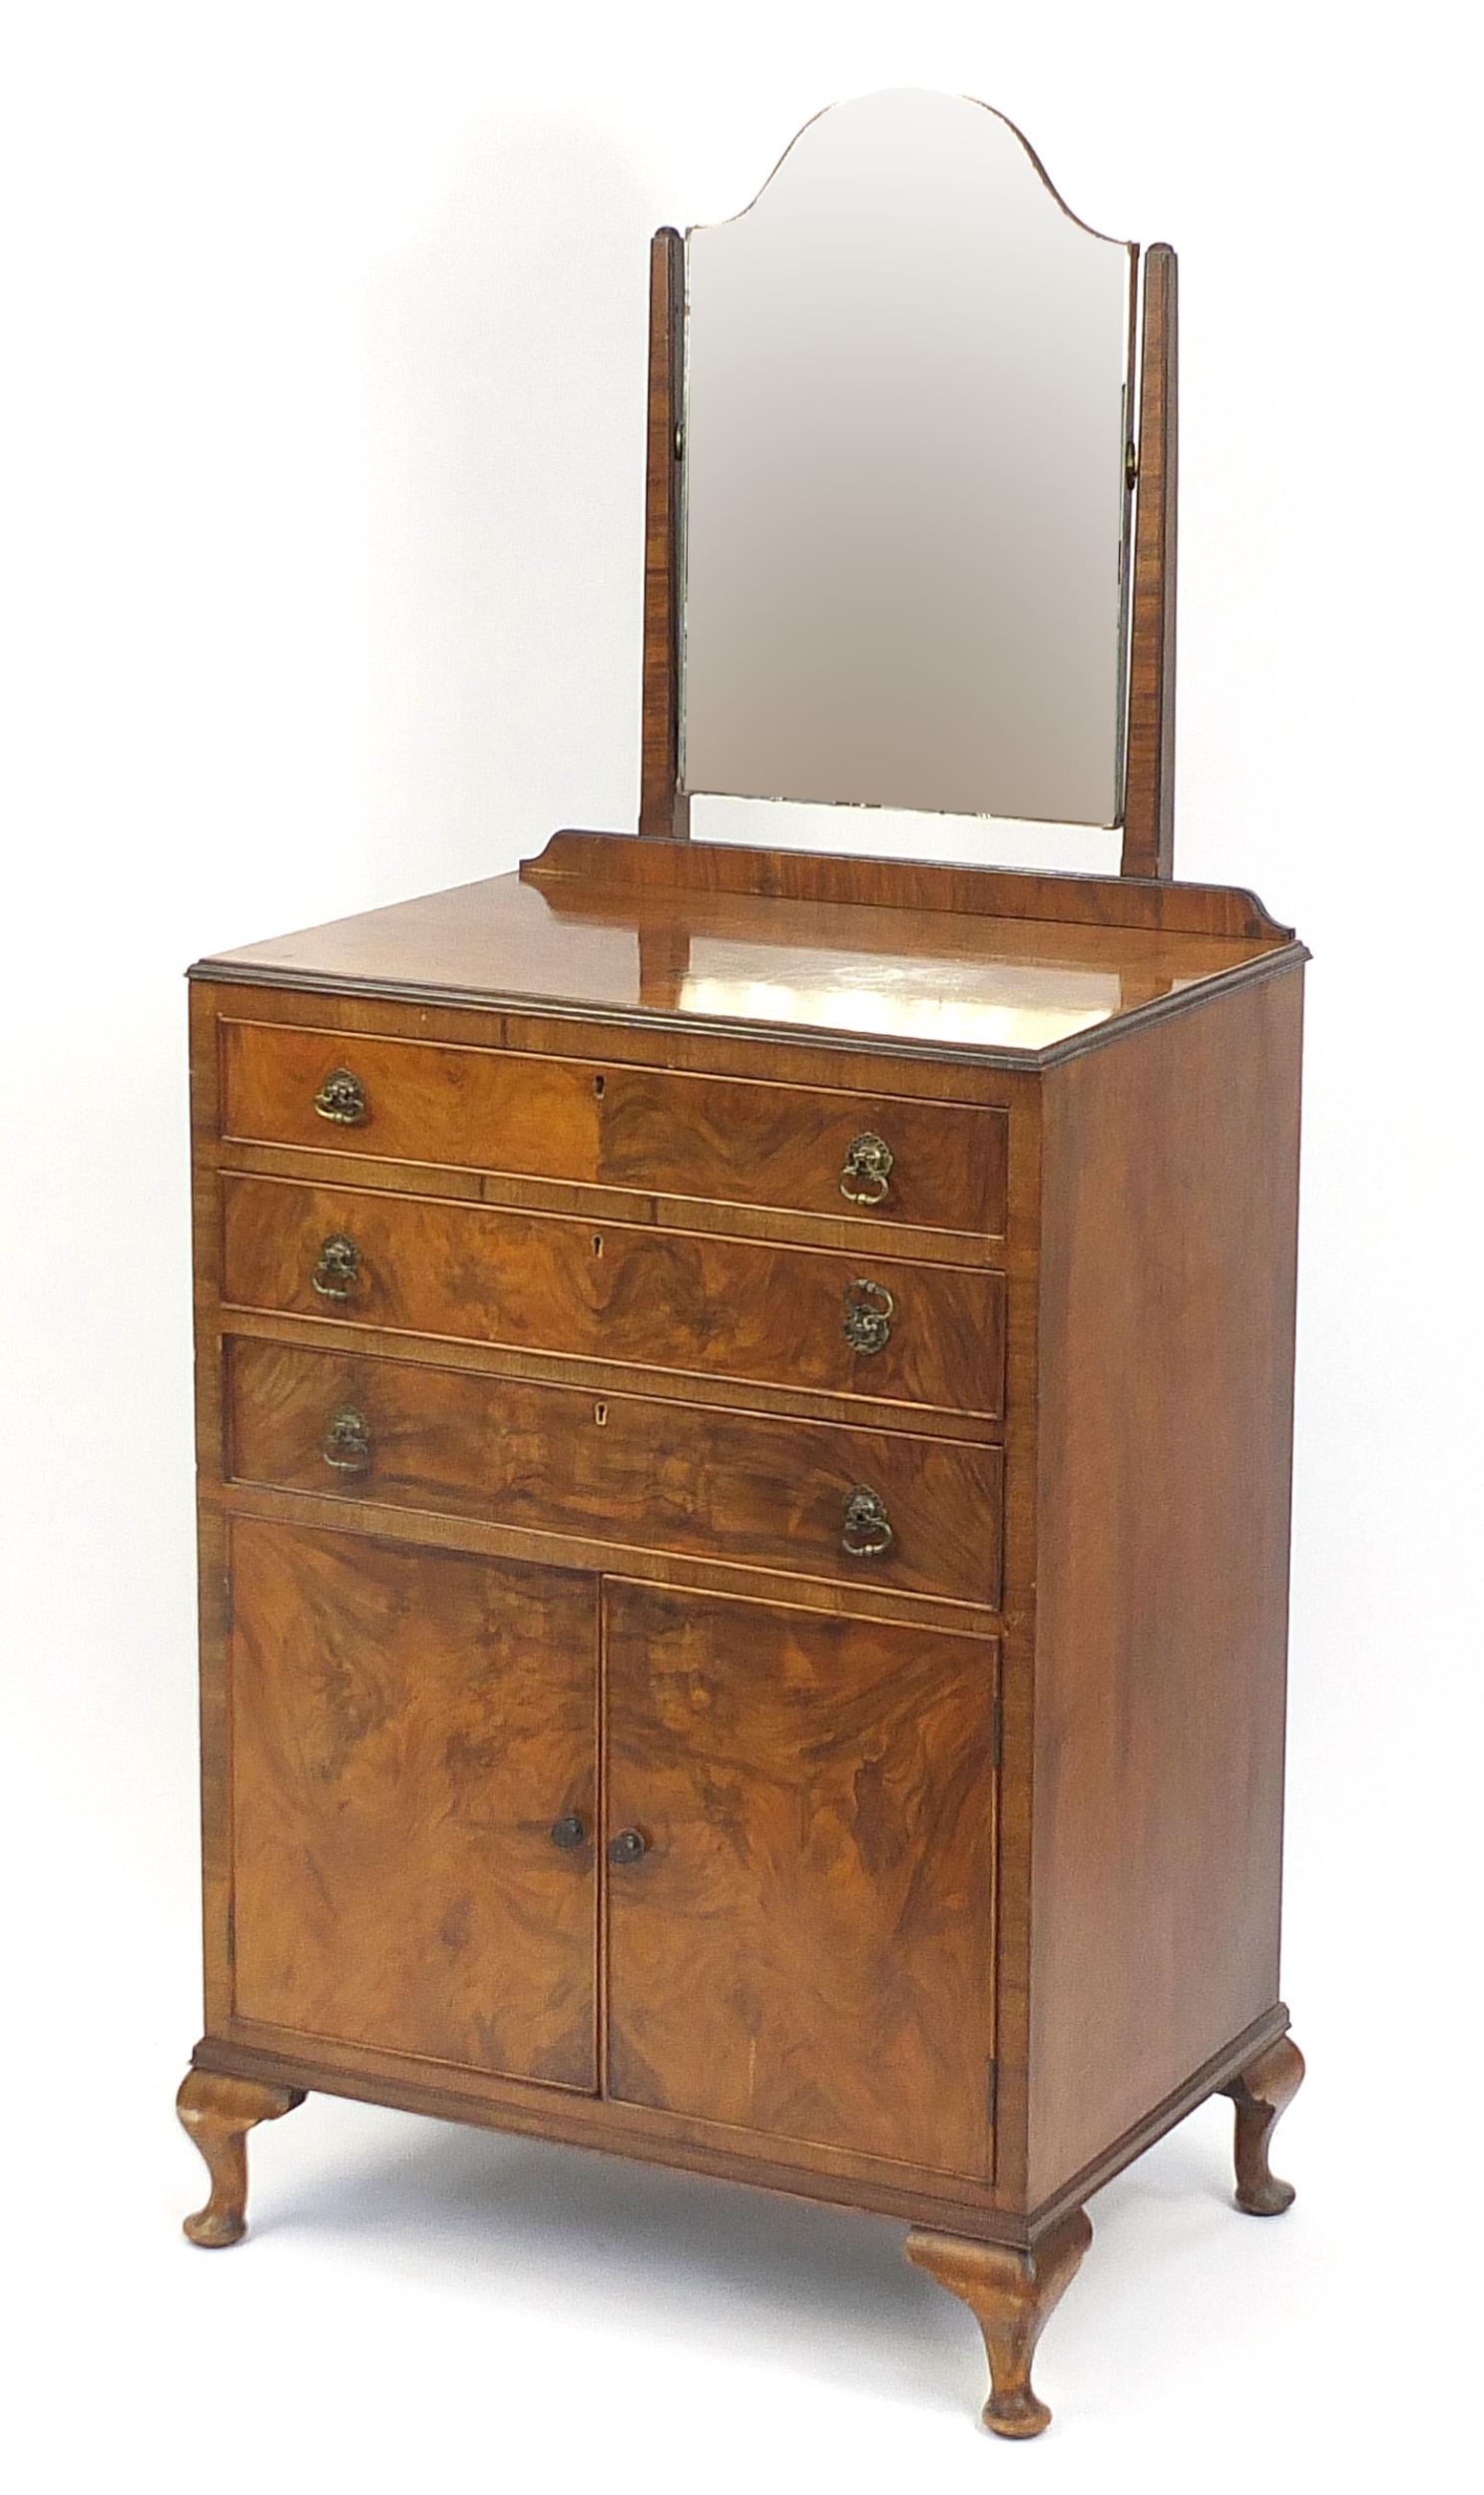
<point>866,1531</point>
<point>342,1098</point>
<point>338,1274</point>
<point>347,1445</point>
<point>866,1175</point>
<point>869,1309</point>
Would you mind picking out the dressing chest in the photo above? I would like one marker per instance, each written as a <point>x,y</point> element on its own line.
<point>744,1436</point>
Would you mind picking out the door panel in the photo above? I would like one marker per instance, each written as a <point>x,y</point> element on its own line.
<point>407,1729</point>
<point>805,1945</point>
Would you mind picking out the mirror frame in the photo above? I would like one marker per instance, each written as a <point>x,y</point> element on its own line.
<point>1148,728</point>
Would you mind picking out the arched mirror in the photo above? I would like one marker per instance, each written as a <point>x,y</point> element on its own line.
<point>894,436</point>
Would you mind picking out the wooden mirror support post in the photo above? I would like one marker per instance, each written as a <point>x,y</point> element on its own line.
<point>728,1632</point>
<point>664,808</point>
<point>1149,770</point>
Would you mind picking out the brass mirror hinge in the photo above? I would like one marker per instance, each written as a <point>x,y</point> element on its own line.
<point>1131,466</point>
<point>680,441</point>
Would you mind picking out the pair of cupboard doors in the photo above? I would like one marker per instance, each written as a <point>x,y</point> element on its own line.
<point>727,1860</point>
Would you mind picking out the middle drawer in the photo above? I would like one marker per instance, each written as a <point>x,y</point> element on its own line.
<point>823,1499</point>
<point>855,1324</point>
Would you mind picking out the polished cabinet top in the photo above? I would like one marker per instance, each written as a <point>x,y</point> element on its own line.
<point>967,959</point>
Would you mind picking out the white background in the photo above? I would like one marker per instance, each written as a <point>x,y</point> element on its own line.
<point>322,453</point>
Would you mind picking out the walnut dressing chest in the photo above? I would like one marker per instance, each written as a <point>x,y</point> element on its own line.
<point>744,1558</point>
<point>745,1396</point>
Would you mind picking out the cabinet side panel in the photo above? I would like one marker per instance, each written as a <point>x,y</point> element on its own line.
<point>1165,1421</point>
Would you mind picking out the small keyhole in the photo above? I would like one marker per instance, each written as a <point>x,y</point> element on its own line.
<point>600,1414</point>
<point>597,1242</point>
<point>600,1086</point>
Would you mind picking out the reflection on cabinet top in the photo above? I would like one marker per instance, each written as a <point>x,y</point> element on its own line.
<point>985,963</point>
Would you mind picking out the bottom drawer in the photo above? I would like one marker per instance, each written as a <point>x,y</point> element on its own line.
<point>807,1497</point>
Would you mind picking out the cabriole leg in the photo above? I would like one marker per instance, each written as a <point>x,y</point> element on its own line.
<point>1010,2294</point>
<point>1259,2094</point>
<point>219,2114</point>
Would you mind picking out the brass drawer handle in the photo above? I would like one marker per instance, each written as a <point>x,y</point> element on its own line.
<point>869,1309</point>
<point>338,1274</point>
<point>342,1098</point>
<point>347,1445</point>
<point>867,1532</point>
<point>866,1175</point>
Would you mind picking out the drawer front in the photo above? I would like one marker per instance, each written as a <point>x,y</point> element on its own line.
<point>922,1514</point>
<point>705,1135</point>
<point>672,1299</point>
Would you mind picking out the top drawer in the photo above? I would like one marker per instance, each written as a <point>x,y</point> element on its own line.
<point>705,1135</point>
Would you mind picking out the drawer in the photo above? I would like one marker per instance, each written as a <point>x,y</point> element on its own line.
<point>668,1300</point>
<point>627,1469</point>
<point>706,1135</point>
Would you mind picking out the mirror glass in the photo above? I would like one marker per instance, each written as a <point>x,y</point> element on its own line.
<point>905,504</point>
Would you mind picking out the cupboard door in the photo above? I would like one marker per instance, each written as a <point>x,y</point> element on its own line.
<point>800,1817</point>
<point>414,1771</point>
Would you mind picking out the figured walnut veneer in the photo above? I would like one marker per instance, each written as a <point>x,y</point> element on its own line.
<point>820,1798</point>
<point>622,1468</point>
<point>615,1127</point>
<point>407,1729</point>
<point>594,1290</point>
